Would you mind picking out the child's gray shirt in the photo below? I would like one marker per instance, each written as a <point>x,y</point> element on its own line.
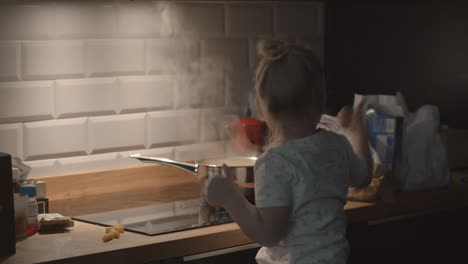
<point>311,175</point>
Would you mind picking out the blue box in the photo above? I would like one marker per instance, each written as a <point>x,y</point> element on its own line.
<point>385,135</point>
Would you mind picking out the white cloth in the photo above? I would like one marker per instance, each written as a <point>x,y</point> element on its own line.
<point>312,176</point>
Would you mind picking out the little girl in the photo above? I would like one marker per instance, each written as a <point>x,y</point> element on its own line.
<point>301,180</point>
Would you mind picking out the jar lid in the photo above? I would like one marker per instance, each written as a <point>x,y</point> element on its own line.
<point>29,190</point>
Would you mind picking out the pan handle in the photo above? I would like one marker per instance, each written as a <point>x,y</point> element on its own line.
<point>190,167</point>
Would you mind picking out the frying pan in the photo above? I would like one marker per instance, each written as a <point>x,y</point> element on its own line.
<point>241,168</point>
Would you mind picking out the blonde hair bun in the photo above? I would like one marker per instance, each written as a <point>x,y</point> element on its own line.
<point>272,49</point>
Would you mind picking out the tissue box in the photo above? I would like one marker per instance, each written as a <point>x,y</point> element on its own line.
<point>385,135</point>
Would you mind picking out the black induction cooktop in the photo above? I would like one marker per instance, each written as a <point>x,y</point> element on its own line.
<point>156,219</point>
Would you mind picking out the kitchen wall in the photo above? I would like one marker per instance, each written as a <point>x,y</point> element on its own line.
<point>418,48</point>
<point>83,84</point>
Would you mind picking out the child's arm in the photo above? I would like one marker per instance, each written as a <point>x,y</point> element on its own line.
<point>351,121</point>
<point>266,226</point>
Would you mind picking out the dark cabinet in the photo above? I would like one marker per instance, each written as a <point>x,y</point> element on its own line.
<point>417,47</point>
<point>437,237</point>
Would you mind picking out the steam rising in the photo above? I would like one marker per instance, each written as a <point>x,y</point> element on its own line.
<point>204,66</point>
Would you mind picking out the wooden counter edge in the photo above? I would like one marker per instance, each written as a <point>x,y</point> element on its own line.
<point>130,247</point>
<point>179,244</point>
<point>150,252</point>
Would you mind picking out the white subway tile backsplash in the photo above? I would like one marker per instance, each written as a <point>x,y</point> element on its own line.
<point>80,97</point>
<point>212,90</point>
<point>213,124</point>
<point>135,19</point>
<point>84,20</point>
<point>55,138</point>
<point>126,161</point>
<point>42,168</point>
<point>9,60</point>
<point>165,18</point>
<point>200,151</point>
<point>26,101</point>
<point>81,164</point>
<point>172,127</point>
<point>224,54</point>
<point>112,57</point>
<point>11,139</point>
<point>249,20</point>
<point>206,90</point>
<point>146,93</point>
<point>169,56</point>
<point>52,59</point>
<point>196,20</point>
<point>107,133</point>
<point>239,86</point>
<point>187,92</point>
<point>297,20</point>
<point>27,21</point>
<point>254,57</point>
<point>179,54</point>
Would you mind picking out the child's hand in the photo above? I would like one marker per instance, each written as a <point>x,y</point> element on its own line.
<point>350,119</point>
<point>220,188</point>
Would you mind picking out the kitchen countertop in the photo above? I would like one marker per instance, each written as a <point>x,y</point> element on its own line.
<point>84,244</point>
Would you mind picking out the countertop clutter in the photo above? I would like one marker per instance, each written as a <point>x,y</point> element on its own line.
<point>84,244</point>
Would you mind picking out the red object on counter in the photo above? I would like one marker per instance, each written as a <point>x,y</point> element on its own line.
<point>248,132</point>
<point>32,230</point>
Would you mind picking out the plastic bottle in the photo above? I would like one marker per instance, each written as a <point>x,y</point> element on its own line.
<point>31,192</point>
<point>42,200</point>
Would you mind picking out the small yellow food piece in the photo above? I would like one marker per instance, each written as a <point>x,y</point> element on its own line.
<point>116,234</point>
<point>108,236</point>
<point>119,229</point>
<point>112,234</point>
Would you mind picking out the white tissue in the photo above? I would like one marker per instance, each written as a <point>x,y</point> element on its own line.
<point>424,163</point>
<point>424,158</point>
<point>23,168</point>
